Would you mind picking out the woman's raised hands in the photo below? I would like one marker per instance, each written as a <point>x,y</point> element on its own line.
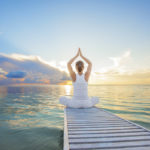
<point>80,53</point>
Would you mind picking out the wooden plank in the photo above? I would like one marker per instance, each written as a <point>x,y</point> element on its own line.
<point>111,139</point>
<point>89,115</point>
<point>128,148</point>
<point>85,122</point>
<point>96,125</point>
<point>95,119</point>
<point>109,121</point>
<point>110,145</point>
<point>103,129</point>
<point>109,135</point>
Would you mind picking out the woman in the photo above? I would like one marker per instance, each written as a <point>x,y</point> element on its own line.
<point>80,97</point>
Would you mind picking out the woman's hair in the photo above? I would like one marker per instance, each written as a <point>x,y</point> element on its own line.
<point>80,65</point>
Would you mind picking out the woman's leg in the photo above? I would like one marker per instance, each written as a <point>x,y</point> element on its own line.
<point>95,100</point>
<point>69,102</point>
<point>64,100</point>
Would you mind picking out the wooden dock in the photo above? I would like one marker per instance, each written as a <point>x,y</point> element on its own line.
<point>97,129</point>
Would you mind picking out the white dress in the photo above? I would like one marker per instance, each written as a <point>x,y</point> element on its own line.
<point>80,97</point>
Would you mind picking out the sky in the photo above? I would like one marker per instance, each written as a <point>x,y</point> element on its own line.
<point>113,34</point>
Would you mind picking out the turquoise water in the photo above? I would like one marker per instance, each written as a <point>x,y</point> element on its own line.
<point>32,118</point>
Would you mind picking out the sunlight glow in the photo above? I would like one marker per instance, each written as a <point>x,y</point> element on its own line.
<point>68,89</point>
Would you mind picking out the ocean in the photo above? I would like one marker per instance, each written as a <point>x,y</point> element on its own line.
<point>32,118</point>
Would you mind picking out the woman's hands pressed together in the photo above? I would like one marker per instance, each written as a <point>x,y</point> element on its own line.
<point>79,53</point>
<point>79,50</point>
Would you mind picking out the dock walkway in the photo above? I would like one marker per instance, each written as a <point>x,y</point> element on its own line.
<point>97,129</point>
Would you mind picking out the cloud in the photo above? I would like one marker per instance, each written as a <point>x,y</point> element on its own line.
<point>61,65</point>
<point>118,65</point>
<point>120,72</point>
<point>2,71</point>
<point>33,68</point>
<point>119,61</point>
<point>21,57</point>
<point>2,74</point>
<point>16,74</point>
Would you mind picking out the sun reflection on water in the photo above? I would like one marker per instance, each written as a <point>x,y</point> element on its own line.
<point>68,89</point>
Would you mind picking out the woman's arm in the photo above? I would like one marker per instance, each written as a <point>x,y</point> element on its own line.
<point>87,60</point>
<point>69,65</point>
<point>89,68</point>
